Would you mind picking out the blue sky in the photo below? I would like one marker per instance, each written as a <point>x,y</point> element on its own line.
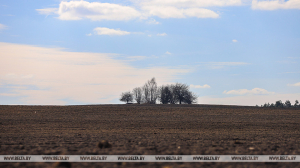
<point>239,52</point>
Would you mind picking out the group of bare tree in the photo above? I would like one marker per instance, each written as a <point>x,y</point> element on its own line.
<point>150,93</point>
<point>280,104</point>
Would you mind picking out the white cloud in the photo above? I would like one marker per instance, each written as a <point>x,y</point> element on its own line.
<point>234,41</point>
<point>152,21</point>
<point>89,34</point>
<point>199,86</point>
<point>51,75</point>
<point>9,94</point>
<point>250,100</point>
<point>168,53</point>
<point>136,58</point>
<point>200,13</point>
<point>229,63</point>
<point>188,3</point>
<point>2,26</point>
<point>183,8</point>
<point>275,4</point>
<point>295,84</point>
<point>141,9</point>
<point>48,11</point>
<point>76,10</point>
<point>161,34</point>
<point>173,12</point>
<point>107,31</point>
<point>219,65</point>
<point>255,91</point>
<point>8,15</point>
<point>28,76</point>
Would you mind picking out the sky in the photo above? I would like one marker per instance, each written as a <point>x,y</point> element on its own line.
<point>234,52</point>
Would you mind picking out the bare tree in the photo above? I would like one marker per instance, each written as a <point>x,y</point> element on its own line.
<point>126,97</point>
<point>179,91</point>
<point>279,103</point>
<point>137,94</point>
<point>153,91</point>
<point>150,91</point>
<point>266,105</point>
<point>173,99</point>
<point>288,104</point>
<point>189,97</point>
<point>296,103</point>
<point>165,94</point>
<point>146,95</point>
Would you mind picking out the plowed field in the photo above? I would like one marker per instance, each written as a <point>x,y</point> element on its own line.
<point>149,130</point>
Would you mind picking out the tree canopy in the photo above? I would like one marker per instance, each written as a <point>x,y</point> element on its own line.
<point>126,97</point>
<point>150,93</point>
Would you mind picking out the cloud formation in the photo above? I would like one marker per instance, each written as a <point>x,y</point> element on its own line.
<point>255,91</point>
<point>48,11</point>
<point>107,31</point>
<point>136,58</point>
<point>188,3</point>
<point>140,9</point>
<point>173,12</point>
<point>38,75</point>
<point>220,65</point>
<point>199,86</point>
<point>234,41</point>
<point>77,10</point>
<point>183,8</point>
<point>161,34</point>
<point>295,84</point>
<point>2,26</point>
<point>143,9</point>
<point>275,4</point>
<point>152,21</point>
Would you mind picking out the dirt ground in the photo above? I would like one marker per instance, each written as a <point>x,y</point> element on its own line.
<point>149,130</point>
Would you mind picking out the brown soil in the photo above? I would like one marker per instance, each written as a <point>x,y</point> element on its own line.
<point>149,130</point>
